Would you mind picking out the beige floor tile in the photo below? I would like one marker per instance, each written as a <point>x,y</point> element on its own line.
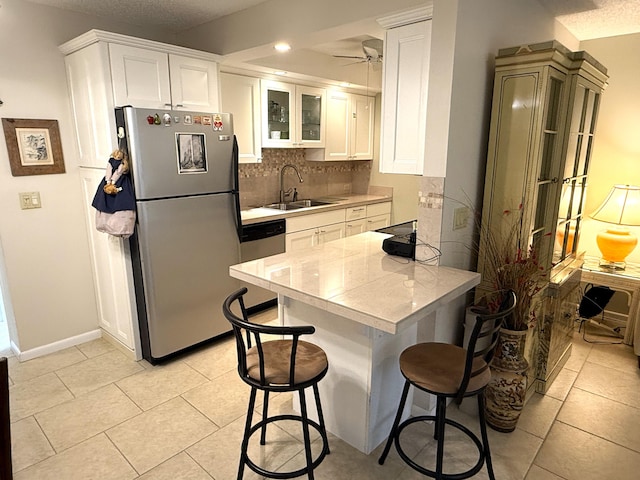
<point>346,462</point>
<point>95,459</point>
<point>602,417</point>
<point>95,348</point>
<point>180,467</point>
<point>266,316</point>
<point>77,420</point>
<point>538,414</point>
<point>562,384</point>
<point>28,444</point>
<point>215,360</point>
<point>617,357</point>
<point>219,454</point>
<point>579,353</point>
<point>622,386</point>
<point>97,372</point>
<point>158,434</point>
<point>24,371</point>
<point>36,395</point>
<point>577,455</point>
<point>537,473</point>
<point>223,400</point>
<point>158,384</point>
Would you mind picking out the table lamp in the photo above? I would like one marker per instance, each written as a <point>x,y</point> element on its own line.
<point>621,208</point>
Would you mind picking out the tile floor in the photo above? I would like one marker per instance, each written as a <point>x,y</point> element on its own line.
<point>90,413</point>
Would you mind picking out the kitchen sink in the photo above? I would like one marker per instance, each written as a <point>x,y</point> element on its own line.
<point>297,204</point>
<point>283,206</point>
<point>309,203</point>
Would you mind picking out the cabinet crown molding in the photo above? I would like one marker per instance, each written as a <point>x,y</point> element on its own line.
<point>405,18</point>
<point>94,36</point>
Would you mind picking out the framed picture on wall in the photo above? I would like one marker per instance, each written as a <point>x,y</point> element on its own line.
<point>34,146</point>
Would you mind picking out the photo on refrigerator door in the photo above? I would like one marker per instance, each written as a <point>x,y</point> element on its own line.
<point>192,154</point>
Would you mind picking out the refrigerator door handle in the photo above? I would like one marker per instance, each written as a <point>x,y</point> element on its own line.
<point>236,188</point>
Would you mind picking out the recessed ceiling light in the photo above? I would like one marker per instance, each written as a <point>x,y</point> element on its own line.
<point>344,84</point>
<point>279,72</point>
<point>282,47</point>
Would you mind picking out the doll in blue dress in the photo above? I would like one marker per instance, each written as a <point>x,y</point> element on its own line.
<point>114,200</point>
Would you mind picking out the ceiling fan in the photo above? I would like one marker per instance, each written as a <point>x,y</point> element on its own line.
<point>372,52</point>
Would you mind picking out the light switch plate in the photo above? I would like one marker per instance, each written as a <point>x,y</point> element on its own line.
<point>29,200</point>
<point>460,218</point>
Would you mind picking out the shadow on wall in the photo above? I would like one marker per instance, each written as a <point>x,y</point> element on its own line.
<point>260,182</point>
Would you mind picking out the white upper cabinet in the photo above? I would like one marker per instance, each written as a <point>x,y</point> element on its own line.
<point>140,77</point>
<point>240,96</point>
<point>151,79</point>
<point>92,104</point>
<point>194,84</point>
<point>107,70</point>
<point>350,126</point>
<point>293,116</point>
<point>404,98</point>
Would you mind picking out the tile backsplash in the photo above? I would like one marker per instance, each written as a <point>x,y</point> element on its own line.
<point>260,182</point>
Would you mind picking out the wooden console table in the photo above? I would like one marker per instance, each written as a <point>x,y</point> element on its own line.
<point>627,281</point>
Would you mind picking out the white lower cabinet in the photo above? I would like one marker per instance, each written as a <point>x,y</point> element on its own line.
<point>113,278</point>
<point>354,227</point>
<point>314,229</point>
<point>317,228</point>
<point>377,222</point>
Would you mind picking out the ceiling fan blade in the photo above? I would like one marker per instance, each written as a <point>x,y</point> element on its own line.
<point>350,56</point>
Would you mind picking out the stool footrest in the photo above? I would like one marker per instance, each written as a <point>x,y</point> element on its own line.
<point>431,473</point>
<point>297,473</point>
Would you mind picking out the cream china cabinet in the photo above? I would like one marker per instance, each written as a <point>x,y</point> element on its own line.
<point>240,95</point>
<point>350,127</point>
<point>292,115</point>
<point>544,112</point>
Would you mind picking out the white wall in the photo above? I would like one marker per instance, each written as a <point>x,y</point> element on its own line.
<point>405,187</point>
<point>616,153</point>
<point>480,29</point>
<point>46,257</point>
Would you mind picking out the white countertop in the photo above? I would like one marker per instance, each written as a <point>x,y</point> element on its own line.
<point>260,214</point>
<point>354,278</point>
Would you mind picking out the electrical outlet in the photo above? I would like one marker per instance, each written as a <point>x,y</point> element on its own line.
<point>29,200</point>
<point>460,218</point>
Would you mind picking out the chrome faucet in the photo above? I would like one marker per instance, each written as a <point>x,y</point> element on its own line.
<point>284,193</point>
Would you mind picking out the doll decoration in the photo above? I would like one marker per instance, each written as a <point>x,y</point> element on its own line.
<point>114,200</point>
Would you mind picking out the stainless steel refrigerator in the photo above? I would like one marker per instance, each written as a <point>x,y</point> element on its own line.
<point>184,169</point>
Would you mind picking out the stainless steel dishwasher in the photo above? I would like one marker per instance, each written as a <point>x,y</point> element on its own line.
<point>261,240</point>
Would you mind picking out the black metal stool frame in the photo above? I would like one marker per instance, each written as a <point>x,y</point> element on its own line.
<point>484,454</point>
<point>243,344</point>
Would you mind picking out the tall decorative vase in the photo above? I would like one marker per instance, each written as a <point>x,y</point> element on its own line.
<point>505,393</point>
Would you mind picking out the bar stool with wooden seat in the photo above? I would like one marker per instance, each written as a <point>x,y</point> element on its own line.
<point>282,365</point>
<point>451,372</point>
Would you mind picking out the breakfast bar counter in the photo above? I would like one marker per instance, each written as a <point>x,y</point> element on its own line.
<point>365,306</point>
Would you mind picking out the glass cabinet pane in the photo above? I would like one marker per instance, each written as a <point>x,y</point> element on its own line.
<point>311,116</point>
<point>279,103</point>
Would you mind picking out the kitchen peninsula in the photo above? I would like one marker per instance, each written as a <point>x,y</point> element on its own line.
<point>365,306</point>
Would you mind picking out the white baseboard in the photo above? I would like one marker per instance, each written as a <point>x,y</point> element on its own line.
<point>55,346</point>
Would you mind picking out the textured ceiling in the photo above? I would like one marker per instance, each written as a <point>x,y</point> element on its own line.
<point>586,19</point>
<point>175,15</point>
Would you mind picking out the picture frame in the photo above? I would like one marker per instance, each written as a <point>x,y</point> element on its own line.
<point>191,153</point>
<point>34,146</point>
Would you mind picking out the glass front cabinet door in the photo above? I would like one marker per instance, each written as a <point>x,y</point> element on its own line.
<point>293,115</point>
